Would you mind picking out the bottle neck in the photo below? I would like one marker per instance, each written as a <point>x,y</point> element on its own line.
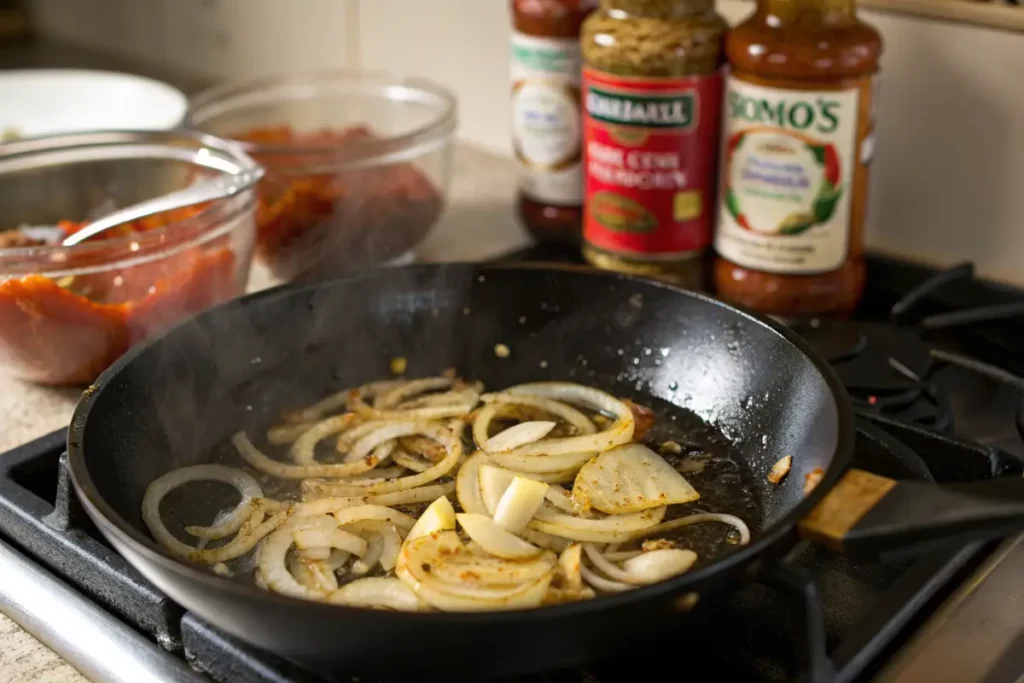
<point>808,13</point>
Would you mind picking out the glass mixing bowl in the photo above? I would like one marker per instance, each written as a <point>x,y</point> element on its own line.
<point>66,313</point>
<point>357,164</point>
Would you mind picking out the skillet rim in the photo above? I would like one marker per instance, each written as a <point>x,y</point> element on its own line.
<point>111,522</point>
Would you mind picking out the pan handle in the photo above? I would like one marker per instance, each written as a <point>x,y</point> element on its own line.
<point>868,515</point>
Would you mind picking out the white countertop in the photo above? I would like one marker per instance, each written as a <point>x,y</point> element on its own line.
<point>479,223</point>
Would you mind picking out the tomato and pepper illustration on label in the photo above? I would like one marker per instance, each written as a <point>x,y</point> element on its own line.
<point>781,182</point>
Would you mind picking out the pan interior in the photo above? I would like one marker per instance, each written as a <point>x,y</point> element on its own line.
<point>757,396</point>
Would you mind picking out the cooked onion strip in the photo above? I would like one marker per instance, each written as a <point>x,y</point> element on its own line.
<point>467,485</point>
<point>393,397</point>
<point>630,478</point>
<point>422,494</point>
<point>444,436</point>
<point>518,504</point>
<point>603,584</point>
<point>229,523</point>
<point>528,540</point>
<point>542,464</point>
<point>376,592</point>
<point>619,432</point>
<point>257,459</point>
<point>358,513</point>
<point>671,525</point>
<point>494,539</point>
<point>518,435</point>
<point>287,433</point>
<point>409,461</point>
<point>302,451</point>
<point>606,530</point>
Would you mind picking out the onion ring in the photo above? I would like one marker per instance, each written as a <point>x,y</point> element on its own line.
<point>302,451</point>
<point>257,459</point>
<point>245,483</point>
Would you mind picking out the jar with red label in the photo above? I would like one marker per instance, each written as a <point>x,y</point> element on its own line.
<point>652,94</point>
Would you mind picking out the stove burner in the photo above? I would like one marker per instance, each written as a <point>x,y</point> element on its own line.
<point>835,340</point>
<point>885,369</point>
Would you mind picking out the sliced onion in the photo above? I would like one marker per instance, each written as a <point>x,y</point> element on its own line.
<point>546,541</point>
<point>335,401</point>
<point>326,506</point>
<point>374,547</point>
<point>494,539</point>
<point>392,545</point>
<point>630,478</point>
<point>467,485</point>
<point>518,435</point>
<point>493,483</point>
<point>603,584</point>
<point>409,461</point>
<point>357,404</point>
<point>315,554</point>
<point>330,538</point>
<point>605,530</point>
<point>519,503</point>
<point>312,574</point>
<point>360,513</point>
<point>574,417</point>
<point>349,437</point>
<point>699,518</point>
<point>620,431</point>
<point>469,395</point>
<point>393,397</point>
<point>273,568</point>
<point>257,459</point>
<point>229,523</point>
<point>427,449</point>
<point>442,435</point>
<point>303,450</point>
<point>337,560</point>
<point>542,464</point>
<point>423,494</point>
<point>439,516</point>
<point>287,433</point>
<point>424,563</point>
<point>658,565</point>
<point>604,565</point>
<point>569,564</point>
<point>376,592</point>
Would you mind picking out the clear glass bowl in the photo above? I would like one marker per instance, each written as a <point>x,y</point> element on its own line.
<point>66,313</point>
<point>357,164</point>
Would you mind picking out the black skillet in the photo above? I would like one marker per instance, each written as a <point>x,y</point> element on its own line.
<point>172,403</point>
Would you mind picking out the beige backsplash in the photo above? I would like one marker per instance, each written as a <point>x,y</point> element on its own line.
<point>948,179</point>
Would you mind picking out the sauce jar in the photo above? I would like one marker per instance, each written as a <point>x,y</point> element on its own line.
<point>652,100</point>
<point>546,115</point>
<point>797,142</point>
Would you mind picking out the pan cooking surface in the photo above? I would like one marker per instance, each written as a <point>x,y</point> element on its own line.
<point>747,390</point>
<point>706,458</point>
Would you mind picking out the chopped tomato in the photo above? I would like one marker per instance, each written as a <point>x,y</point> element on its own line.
<point>354,217</point>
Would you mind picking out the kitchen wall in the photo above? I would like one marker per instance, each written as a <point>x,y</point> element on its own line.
<point>948,181</point>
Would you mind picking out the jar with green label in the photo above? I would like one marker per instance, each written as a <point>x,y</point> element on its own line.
<point>652,93</point>
<point>797,143</point>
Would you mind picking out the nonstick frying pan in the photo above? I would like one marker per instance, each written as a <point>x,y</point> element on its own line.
<point>175,401</point>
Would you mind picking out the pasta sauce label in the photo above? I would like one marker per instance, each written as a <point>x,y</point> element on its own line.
<point>789,159</point>
<point>649,146</point>
<point>546,118</point>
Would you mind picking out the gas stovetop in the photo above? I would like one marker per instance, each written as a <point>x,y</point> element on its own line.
<point>932,362</point>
